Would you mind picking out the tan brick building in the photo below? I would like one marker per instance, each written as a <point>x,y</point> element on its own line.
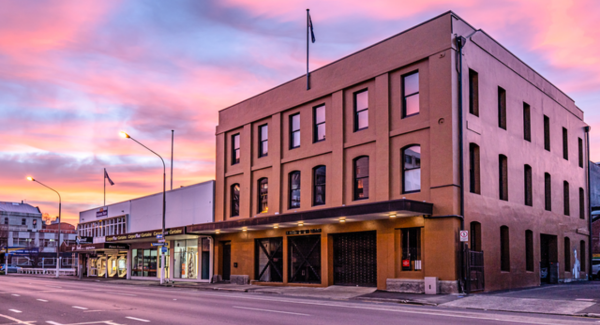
<point>357,181</point>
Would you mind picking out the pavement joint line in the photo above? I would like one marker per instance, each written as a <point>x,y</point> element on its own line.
<point>138,319</point>
<point>271,311</point>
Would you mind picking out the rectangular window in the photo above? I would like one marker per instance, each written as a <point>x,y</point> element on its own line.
<point>235,200</point>
<point>319,181</point>
<point>410,94</point>
<point>529,250</point>
<point>294,193</point>
<point>580,151</point>
<point>473,93</point>
<point>23,222</point>
<point>581,204</point>
<point>304,262</point>
<point>566,198</point>
<point>546,133</point>
<point>319,123</point>
<point>361,110</point>
<point>528,186</point>
<point>547,192</point>
<point>503,177</point>
<point>501,108</point>
<point>474,171</point>
<point>565,143</point>
<point>263,140</point>
<point>411,249</point>
<point>504,249</point>
<point>263,195</point>
<point>526,122</point>
<point>269,259</point>
<point>235,149</point>
<point>361,178</point>
<point>185,259</point>
<point>295,131</point>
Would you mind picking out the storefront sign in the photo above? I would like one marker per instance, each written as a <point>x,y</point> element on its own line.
<point>102,212</point>
<point>84,240</point>
<point>303,232</point>
<point>146,234</point>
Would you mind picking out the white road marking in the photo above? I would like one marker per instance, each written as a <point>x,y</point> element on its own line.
<point>42,300</point>
<point>77,307</point>
<point>174,299</point>
<point>53,323</point>
<point>16,295</point>
<point>582,299</point>
<point>54,287</point>
<point>15,311</point>
<point>138,319</point>
<point>13,319</point>
<point>271,311</point>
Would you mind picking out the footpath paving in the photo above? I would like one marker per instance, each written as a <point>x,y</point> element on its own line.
<point>574,299</point>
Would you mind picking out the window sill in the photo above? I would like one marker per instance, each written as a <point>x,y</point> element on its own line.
<point>411,115</point>
<point>411,192</point>
<point>356,130</point>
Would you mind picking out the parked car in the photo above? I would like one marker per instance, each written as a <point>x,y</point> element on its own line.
<point>595,269</point>
<point>11,269</point>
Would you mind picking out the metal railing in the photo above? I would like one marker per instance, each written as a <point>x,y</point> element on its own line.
<point>47,271</point>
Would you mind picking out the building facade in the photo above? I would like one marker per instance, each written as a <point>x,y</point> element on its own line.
<point>368,177</point>
<point>122,237</point>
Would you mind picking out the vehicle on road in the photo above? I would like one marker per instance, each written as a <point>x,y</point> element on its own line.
<point>11,269</point>
<point>595,269</point>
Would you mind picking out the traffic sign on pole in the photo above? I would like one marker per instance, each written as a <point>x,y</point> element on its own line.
<point>164,249</point>
<point>159,236</point>
<point>158,244</point>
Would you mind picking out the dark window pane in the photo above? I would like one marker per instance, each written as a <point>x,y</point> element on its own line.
<point>362,188</point>
<point>412,105</point>
<point>363,120</point>
<point>235,200</point>
<point>362,167</point>
<point>362,100</point>
<point>294,190</point>
<point>319,182</point>
<point>411,249</point>
<point>263,191</point>
<point>546,133</point>
<point>411,84</point>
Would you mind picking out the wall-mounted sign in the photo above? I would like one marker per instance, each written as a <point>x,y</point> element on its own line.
<point>464,235</point>
<point>102,212</point>
<point>303,232</point>
<point>84,240</point>
<point>146,234</point>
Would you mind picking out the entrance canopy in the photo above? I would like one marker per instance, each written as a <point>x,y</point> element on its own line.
<point>352,213</point>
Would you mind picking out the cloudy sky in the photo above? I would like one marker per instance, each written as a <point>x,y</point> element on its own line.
<point>74,73</point>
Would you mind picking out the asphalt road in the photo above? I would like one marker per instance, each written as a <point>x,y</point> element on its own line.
<point>30,300</point>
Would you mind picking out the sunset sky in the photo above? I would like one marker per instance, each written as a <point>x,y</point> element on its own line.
<point>74,73</point>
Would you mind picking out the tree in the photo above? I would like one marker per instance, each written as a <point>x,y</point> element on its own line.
<point>33,253</point>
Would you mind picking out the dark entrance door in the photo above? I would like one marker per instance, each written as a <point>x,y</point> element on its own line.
<point>304,259</point>
<point>548,259</point>
<point>355,259</point>
<point>269,259</point>
<point>226,260</point>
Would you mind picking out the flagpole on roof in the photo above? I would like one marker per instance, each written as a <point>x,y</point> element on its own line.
<point>104,176</point>
<point>307,32</point>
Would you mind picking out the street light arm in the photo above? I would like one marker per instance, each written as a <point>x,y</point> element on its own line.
<point>48,187</point>
<point>161,159</point>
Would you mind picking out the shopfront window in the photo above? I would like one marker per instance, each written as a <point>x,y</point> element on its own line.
<point>144,262</point>
<point>411,249</point>
<point>185,259</point>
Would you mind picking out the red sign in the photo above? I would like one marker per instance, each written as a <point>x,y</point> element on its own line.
<point>405,263</point>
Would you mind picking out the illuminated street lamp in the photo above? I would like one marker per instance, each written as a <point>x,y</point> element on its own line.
<point>31,179</point>
<point>124,135</point>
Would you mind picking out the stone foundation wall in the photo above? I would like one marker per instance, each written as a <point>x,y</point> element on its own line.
<point>418,286</point>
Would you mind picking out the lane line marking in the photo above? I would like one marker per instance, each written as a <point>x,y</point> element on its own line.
<point>54,287</point>
<point>77,307</point>
<point>138,319</point>
<point>582,299</point>
<point>53,323</point>
<point>271,311</point>
<point>13,319</point>
<point>42,300</point>
<point>15,311</point>
<point>16,295</point>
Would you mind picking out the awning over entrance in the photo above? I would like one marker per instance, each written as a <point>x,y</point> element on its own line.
<point>352,213</point>
<point>150,235</point>
<point>92,247</point>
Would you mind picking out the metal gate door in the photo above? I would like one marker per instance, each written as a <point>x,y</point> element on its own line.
<point>355,259</point>
<point>475,280</point>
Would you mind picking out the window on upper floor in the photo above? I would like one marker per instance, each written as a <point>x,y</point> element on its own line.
<point>547,192</point>
<point>411,169</point>
<point>319,123</point>
<point>6,221</point>
<point>235,200</point>
<point>263,195</point>
<point>34,223</point>
<point>581,203</point>
<point>504,249</point>
<point>580,151</point>
<point>235,149</point>
<point>263,140</point>
<point>566,199</point>
<point>546,133</point>
<point>529,250</point>
<point>23,222</point>
<point>319,181</point>
<point>361,110</point>
<point>526,122</point>
<point>295,131</point>
<point>410,94</point>
<point>294,192</point>
<point>503,177</point>
<point>473,92</point>
<point>528,181</point>
<point>565,138</point>
<point>474,169</point>
<point>501,108</point>
<point>361,178</point>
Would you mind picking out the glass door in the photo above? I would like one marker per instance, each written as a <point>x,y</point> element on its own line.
<point>101,266</point>
<point>122,266</point>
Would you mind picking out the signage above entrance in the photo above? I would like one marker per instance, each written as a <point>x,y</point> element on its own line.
<point>303,232</point>
<point>146,234</point>
<point>158,244</point>
<point>102,212</point>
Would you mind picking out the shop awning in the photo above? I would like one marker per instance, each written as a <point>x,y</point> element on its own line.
<point>150,235</point>
<point>351,213</point>
<point>92,247</point>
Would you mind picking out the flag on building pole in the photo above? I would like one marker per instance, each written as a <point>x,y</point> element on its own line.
<point>111,184</point>
<point>309,32</point>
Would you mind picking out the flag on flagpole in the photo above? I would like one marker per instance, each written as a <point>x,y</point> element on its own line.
<point>310,25</point>
<point>107,177</point>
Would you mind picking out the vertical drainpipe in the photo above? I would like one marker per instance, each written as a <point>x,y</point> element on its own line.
<point>586,129</point>
<point>460,42</point>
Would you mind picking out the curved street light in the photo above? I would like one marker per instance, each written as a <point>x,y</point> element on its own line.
<point>124,135</point>
<point>31,179</point>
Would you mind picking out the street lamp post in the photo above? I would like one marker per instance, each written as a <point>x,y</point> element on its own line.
<point>162,254</point>
<point>31,179</point>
